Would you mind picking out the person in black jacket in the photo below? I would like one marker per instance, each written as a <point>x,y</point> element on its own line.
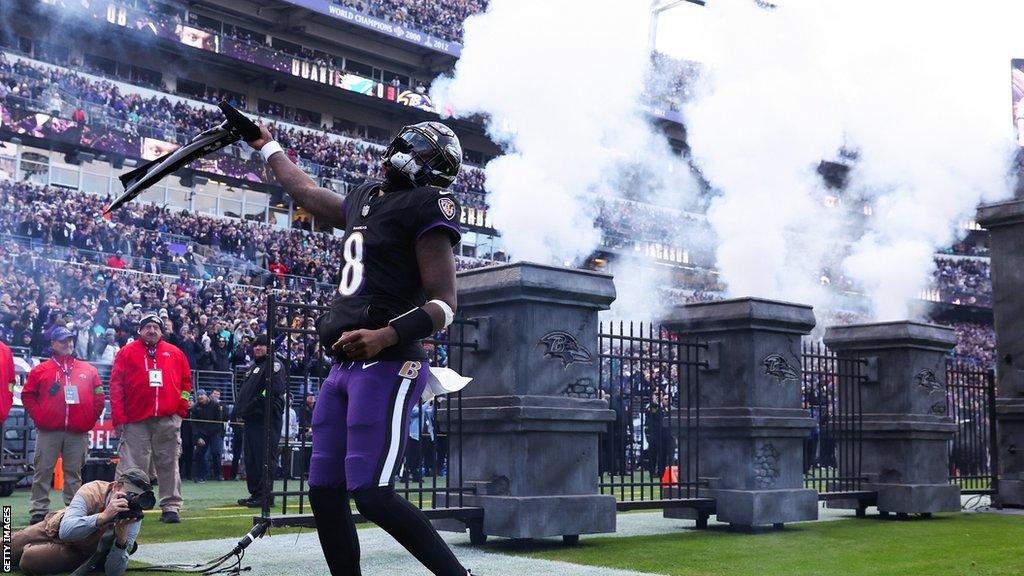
<point>306,416</point>
<point>187,446</point>
<point>267,377</point>
<point>208,434</point>
<point>657,434</point>
<point>237,441</point>
<point>216,358</point>
<point>191,348</point>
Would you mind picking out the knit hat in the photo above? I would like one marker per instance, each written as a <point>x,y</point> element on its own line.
<point>151,318</point>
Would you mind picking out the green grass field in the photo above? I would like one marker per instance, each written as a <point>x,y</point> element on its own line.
<point>210,511</point>
<point>947,545</point>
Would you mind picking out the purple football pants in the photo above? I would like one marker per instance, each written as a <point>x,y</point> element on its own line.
<point>361,422</point>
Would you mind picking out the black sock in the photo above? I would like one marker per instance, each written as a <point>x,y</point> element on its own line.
<point>335,528</point>
<point>409,526</point>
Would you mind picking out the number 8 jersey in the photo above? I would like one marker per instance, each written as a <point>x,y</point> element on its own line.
<point>379,274</point>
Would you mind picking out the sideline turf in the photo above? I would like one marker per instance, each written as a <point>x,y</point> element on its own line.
<point>947,545</point>
<point>210,512</point>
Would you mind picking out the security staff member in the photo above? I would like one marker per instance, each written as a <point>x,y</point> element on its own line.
<point>7,380</point>
<point>150,387</point>
<point>250,408</point>
<point>64,397</point>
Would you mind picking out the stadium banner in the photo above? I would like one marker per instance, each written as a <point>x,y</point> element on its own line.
<point>328,8</point>
<point>163,26</point>
<point>110,140</point>
<point>1017,93</point>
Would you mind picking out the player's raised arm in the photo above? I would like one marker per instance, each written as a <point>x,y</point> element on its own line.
<point>437,272</point>
<point>326,206</point>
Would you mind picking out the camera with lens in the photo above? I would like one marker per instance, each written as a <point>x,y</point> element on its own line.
<point>136,504</point>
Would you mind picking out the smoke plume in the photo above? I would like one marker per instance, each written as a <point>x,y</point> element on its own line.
<point>560,84</point>
<point>918,88</point>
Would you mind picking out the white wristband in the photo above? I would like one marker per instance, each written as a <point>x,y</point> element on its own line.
<point>449,315</point>
<point>269,149</point>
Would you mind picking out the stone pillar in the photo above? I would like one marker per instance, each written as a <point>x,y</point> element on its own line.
<point>1005,223</point>
<point>528,446</point>
<point>752,424</point>
<point>905,446</point>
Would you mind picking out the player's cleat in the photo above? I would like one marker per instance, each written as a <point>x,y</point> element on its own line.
<point>253,502</point>
<point>36,519</point>
<point>169,517</point>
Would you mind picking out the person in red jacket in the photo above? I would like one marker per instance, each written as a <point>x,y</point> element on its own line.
<point>64,397</point>
<point>150,386</point>
<point>7,379</point>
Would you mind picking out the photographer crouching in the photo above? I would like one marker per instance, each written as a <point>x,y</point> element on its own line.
<point>74,536</point>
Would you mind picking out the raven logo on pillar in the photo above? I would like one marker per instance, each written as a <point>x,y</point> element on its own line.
<point>926,379</point>
<point>566,348</point>
<point>776,366</point>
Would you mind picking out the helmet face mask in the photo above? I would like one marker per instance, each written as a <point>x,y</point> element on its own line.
<point>424,154</point>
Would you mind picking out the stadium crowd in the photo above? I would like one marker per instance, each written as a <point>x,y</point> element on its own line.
<point>975,343</point>
<point>349,159</point>
<point>137,236</point>
<point>964,281</point>
<point>213,322</point>
<point>199,247</point>
<point>440,19</point>
<point>83,99</point>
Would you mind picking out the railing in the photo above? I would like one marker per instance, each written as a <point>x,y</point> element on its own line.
<point>650,454</point>
<point>136,263</point>
<point>832,392</point>
<point>970,401</point>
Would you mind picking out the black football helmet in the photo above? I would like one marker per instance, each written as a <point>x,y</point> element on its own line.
<point>426,154</point>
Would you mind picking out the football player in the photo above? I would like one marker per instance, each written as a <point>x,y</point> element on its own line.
<point>397,287</point>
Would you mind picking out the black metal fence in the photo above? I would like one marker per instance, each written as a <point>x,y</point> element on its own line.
<point>970,401</point>
<point>832,393</point>
<point>650,454</point>
<point>434,425</point>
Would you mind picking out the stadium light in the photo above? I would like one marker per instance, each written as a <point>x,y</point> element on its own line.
<point>657,8</point>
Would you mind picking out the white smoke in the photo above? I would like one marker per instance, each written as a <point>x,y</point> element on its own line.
<point>560,84</point>
<point>918,87</point>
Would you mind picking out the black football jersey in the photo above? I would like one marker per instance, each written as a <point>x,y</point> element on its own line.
<point>380,277</point>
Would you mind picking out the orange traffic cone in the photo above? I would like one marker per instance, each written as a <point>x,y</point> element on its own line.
<point>58,474</point>
<point>670,477</point>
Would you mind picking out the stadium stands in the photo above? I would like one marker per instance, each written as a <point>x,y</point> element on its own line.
<point>57,227</point>
<point>105,104</point>
<point>442,18</point>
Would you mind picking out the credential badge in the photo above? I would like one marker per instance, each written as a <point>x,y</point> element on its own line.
<point>447,206</point>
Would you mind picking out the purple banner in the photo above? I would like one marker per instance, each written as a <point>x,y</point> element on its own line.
<point>328,8</point>
<point>41,125</point>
